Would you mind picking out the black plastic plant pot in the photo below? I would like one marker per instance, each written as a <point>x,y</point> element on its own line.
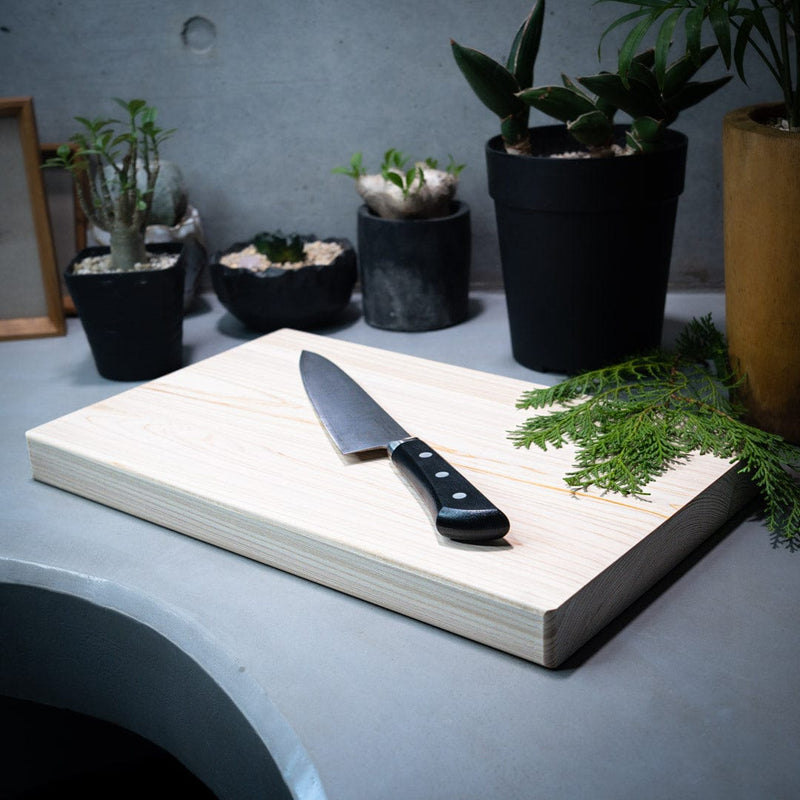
<point>303,298</point>
<point>415,273</point>
<point>585,247</point>
<point>133,320</point>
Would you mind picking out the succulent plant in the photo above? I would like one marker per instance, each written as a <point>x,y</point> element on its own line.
<point>653,105</point>
<point>278,248</point>
<point>109,152</point>
<point>400,191</point>
<point>498,86</point>
<point>651,92</point>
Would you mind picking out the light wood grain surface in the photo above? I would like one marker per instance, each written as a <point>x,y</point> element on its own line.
<point>230,451</point>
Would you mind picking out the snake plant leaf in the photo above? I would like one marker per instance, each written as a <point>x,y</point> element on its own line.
<point>644,134</point>
<point>683,70</point>
<point>593,129</point>
<point>646,58</point>
<point>636,99</point>
<point>494,85</point>
<point>695,92</point>
<point>561,102</point>
<point>525,47</point>
<point>644,75</point>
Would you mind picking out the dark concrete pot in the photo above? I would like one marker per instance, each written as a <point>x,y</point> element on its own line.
<point>585,246</point>
<point>415,273</point>
<point>303,298</point>
<point>133,320</point>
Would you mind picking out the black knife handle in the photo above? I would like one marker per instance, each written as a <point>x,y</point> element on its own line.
<point>462,513</point>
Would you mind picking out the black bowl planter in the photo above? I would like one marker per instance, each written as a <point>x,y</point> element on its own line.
<point>585,247</point>
<point>414,273</point>
<point>133,320</point>
<point>304,298</point>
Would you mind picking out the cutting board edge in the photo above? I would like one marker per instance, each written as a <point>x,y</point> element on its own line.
<point>566,629</point>
<point>452,607</point>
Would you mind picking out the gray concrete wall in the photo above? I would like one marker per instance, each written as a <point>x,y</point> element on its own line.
<point>269,96</point>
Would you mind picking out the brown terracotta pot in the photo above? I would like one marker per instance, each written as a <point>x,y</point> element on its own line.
<point>761,167</point>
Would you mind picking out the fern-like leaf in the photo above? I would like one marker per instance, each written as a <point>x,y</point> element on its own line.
<point>631,422</point>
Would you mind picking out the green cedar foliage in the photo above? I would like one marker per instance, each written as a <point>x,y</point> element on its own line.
<point>631,422</point>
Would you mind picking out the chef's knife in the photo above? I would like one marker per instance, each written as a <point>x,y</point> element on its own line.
<point>356,423</point>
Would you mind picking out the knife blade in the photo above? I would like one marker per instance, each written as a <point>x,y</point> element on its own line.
<point>357,424</point>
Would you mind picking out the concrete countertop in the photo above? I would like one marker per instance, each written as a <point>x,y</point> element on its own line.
<point>265,684</point>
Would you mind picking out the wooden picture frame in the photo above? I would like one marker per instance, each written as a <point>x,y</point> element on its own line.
<point>30,298</point>
<point>68,223</point>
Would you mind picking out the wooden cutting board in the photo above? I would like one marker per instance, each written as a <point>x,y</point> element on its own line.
<point>230,451</point>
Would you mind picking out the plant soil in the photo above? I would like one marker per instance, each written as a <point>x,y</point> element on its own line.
<point>102,264</point>
<point>316,253</point>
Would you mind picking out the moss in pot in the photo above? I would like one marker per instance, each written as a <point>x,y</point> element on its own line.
<point>414,243</point>
<point>275,281</point>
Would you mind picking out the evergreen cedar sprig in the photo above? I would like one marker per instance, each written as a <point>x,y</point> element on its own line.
<point>631,422</point>
<point>769,28</point>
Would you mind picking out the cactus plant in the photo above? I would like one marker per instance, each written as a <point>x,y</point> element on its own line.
<point>109,152</point>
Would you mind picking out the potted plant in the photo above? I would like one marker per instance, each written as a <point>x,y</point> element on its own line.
<point>414,243</point>
<point>171,219</point>
<point>761,162</point>
<point>276,281</point>
<point>129,299</point>
<point>585,210</point>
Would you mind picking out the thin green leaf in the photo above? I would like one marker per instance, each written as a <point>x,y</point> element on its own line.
<point>619,23</point>
<point>721,26</point>
<point>740,47</point>
<point>663,44</point>
<point>632,42</point>
<point>694,30</point>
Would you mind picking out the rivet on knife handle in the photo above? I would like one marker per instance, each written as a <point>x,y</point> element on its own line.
<point>461,512</point>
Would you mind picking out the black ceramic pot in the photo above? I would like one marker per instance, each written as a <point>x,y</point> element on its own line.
<point>415,273</point>
<point>133,320</point>
<point>303,298</point>
<point>585,246</point>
